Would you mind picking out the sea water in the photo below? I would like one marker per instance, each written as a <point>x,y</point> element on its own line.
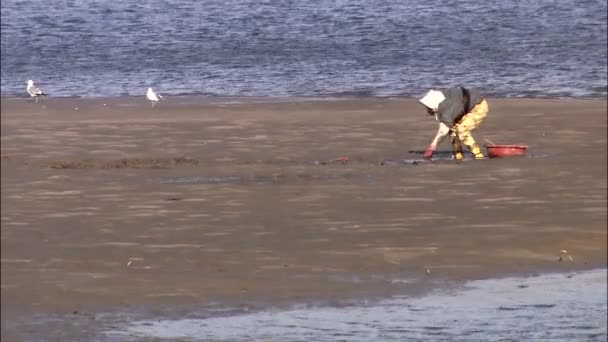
<point>320,48</point>
<point>551,307</point>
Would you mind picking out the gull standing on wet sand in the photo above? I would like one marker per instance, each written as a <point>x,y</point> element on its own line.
<point>34,91</point>
<point>153,97</point>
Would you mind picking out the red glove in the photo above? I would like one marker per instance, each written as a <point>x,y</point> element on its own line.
<point>428,154</point>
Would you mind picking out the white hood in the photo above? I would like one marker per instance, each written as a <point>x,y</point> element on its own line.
<point>432,99</point>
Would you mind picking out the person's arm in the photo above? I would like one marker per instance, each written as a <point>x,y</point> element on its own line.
<point>442,131</point>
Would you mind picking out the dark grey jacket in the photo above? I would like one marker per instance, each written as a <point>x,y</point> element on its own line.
<point>458,102</point>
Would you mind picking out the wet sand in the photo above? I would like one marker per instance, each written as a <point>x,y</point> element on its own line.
<point>110,205</point>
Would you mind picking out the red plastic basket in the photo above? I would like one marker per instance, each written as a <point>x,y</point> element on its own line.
<point>499,151</point>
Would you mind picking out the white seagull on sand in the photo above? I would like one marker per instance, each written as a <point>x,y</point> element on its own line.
<point>34,91</point>
<point>153,97</point>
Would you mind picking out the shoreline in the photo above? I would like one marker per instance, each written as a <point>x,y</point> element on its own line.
<point>202,98</point>
<point>545,300</point>
<point>170,320</point>
<point>101,235</point>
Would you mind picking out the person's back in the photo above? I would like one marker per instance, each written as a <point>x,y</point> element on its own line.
<point>457,103</point>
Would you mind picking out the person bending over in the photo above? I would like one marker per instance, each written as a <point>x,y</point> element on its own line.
<point>459,111</point>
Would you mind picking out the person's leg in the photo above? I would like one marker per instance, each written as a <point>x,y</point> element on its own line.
<point>470,122</point>
<point>456,146</point>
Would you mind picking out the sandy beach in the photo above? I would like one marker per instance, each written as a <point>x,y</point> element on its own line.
<point>110,205</point>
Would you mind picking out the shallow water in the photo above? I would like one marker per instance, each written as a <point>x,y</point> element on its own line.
<point>555,307</point>
<point>300,48</point>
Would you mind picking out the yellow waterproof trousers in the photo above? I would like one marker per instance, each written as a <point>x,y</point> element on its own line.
<point>461,132</point>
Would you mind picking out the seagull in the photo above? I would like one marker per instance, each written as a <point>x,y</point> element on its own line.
<point>34,91</point>
<point>153,97</point>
